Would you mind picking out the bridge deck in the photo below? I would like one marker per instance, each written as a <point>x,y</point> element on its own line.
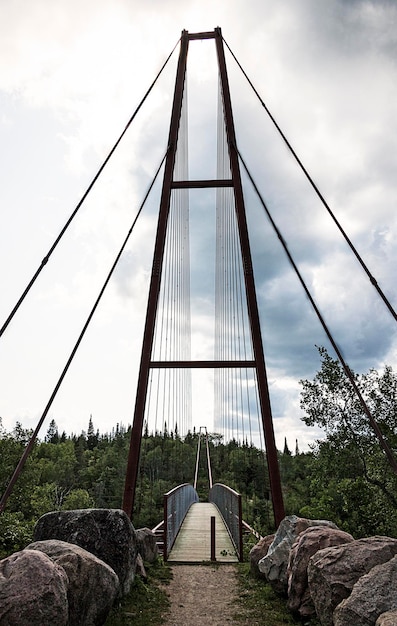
<point>193,542</point>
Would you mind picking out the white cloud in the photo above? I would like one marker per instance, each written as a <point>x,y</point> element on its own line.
<point>72,73</point>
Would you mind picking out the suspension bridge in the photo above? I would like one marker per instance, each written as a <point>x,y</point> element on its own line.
<point>193,530</point>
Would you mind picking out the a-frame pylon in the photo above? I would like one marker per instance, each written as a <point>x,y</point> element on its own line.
<point>258,362</point>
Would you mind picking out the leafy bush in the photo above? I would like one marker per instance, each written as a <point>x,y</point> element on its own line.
<point>15,533</point>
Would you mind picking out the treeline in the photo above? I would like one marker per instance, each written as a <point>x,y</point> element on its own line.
<point>345,477</point>
<point>88,470</point>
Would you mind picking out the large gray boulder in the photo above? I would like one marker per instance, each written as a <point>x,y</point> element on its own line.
<point>274,564</point>
<point>308,543</point>
<point>106,533</point>
<point>372,595</point>
<point>333,572</point>
<point>33,591</point>
<point>387,619</point>
<point>257,553</point>
<point>146,544</point>
<point>93,585</point>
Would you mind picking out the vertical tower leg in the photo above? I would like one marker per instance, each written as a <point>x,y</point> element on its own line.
<point>154,289</point>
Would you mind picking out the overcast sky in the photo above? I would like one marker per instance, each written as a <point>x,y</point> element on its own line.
<point>72,73</point>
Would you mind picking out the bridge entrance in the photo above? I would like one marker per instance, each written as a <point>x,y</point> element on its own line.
<point>203,536</point>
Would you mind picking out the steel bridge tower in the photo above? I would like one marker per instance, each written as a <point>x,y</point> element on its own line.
<point>258,362</point>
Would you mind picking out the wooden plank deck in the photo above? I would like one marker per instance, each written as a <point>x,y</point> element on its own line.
<point>193,542</point>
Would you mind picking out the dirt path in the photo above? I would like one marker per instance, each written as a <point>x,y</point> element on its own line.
<point>202,594</point>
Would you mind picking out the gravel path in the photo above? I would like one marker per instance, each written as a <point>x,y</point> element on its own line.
<point>202,594</point>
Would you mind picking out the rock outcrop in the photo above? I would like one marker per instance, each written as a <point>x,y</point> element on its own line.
<point>33,590</point>
<point>373,595</point>
<point>92,584</point>
<point>257,553</point>
<point>106,533</point>
<point>274,564</point>
<point>146,544</point>
<point>333,572</point>
<point>308,543</point>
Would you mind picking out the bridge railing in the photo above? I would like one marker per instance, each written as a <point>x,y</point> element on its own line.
<point>176,504</point>
<point>228,503</point>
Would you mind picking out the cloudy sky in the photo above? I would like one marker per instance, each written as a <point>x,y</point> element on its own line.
<point>71,75</point>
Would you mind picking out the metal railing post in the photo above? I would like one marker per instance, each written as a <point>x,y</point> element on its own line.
<point>213,557</point>
<point>165,504</point>
<point>240,528</point>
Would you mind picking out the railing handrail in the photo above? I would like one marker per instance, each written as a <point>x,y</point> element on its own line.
<point>235,493</point>
<point>159,525</point>
<point>230,507</point>
<point>251,530</point>
<point>177,502</point>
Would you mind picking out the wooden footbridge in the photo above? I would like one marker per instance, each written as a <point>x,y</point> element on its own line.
<point>193,531</point>
<point>203,536</point>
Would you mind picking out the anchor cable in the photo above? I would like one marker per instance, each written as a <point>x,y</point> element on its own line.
<point>33,438</point>
<point>89,188</point>
<point>317,191</point>
<point>384,444</point>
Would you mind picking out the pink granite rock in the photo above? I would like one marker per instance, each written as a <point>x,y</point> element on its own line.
<point>333,572</point>
<point>372,595</point>
<point>33,591</point>
<point>308,543</point>
<point>92,584</point>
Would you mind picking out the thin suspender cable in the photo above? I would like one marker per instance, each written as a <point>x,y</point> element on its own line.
<point>149,395</point>
<point>33,438</point>
<point>219,378</point>
<point>231,313</point>
<point>244,353</point>
<point>235,373</point>
<point>69,221</point>
<point>167,346</point>
<point>172,329</point>
<point>184,345</point>
<point>159,343</point>
<point>319,194</point>
<point>170,316</point>
<point>239,337</point>
<point>227,317</point>
<point>384,444</point>
<point>223,337</point>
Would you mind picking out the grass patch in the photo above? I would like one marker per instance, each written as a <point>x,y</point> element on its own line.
<point>258,604</point>
<point>147,602</point>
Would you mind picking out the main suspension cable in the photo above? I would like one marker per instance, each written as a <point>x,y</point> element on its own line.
<point>384,444</point>
<point>33,438</point>
<point>89,188</point>
<point>319,194</point>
